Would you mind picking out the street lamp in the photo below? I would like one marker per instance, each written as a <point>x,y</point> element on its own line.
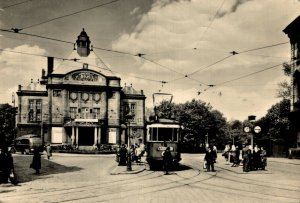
<point>252,120</point>
<point>128,119</point>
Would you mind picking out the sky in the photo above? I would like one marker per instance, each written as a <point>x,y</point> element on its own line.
<point>186,46</point>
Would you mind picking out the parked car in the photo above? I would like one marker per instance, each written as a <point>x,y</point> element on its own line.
<point>27,143</point>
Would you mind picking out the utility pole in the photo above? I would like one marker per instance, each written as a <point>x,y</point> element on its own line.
<point>128,118</point>
<point>252,121</point>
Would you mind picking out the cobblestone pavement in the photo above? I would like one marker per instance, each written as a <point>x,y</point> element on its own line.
<point>88,179</point>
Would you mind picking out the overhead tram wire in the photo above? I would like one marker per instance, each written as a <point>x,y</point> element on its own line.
<point>102,61</point>
<point>250,74</point>
<point>212,64</point>
<point>236,53</point>
<point>154,62</point>
<point>76,61</point>
<point>16,31</point>
<point>264,47</point>
<point>67,15</point>
<point>211,22</point>
<point>16,4</point>
<point>30,54</point>
<point>184,76</point>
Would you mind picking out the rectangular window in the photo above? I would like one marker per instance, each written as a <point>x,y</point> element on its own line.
<point>132,108</point>
<point>96,113</point>
<point>73,112</point>
<point>85,112</point>
<point>153,134</point>
<point>56,93</point>
<point>31,102</point>
<point>35,110</point>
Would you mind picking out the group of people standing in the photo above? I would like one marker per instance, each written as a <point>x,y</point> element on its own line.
<point>134,152</point>
<point>252,159</point>
<point>232,155</point>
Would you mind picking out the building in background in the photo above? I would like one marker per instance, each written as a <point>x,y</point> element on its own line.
<point>80,102</point>
<point>293,32</point>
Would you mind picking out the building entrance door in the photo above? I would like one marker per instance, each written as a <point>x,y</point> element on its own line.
<point>85,136</point>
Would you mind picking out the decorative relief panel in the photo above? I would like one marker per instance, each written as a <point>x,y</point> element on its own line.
<point>73,96</point>
<point>97,97</point>
<point>84,76</point>
<point>85,96</point>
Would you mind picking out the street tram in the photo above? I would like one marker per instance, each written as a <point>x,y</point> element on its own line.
<point>160,134</point>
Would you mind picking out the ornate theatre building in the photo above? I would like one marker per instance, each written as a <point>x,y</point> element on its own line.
<point>80,102</point>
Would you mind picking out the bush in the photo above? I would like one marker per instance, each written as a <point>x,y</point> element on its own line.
<point>294,153</point>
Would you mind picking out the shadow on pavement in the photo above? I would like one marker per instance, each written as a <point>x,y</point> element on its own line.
<point>25,174</point>
<point>179,167</point>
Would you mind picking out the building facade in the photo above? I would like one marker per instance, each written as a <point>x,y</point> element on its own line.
<point>293,32</point>
<point>80,102</point>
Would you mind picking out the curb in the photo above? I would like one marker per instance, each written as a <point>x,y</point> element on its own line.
<point>242,172</point>
<point>123,169</point>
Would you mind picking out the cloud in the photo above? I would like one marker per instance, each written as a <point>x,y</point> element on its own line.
<point>230,6</point>
<point>168,33</point>
<point>19,69</point>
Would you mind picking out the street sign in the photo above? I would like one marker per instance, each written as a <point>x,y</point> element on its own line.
<point>246,129</point>
<point>257,129</point>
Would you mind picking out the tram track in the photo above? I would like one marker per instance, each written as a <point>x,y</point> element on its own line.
<point>254,182</point>
<point>111,184</point>
<point>171,184</point>
<point>153,182</point>
<point>71,189</point>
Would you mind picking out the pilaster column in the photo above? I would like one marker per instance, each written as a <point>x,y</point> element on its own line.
<point>99,135</point>
<point>73,136</point>
<point>95,135</point>
<point>76,135</point>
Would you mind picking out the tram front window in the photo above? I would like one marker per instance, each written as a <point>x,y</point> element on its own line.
<point>164,134</point>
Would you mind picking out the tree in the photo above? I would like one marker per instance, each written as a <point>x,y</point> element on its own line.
<point>7,124</point>
<point>284,90</point>
<point>275,124</point>
<point>198,120</point>
<point>236,134</point>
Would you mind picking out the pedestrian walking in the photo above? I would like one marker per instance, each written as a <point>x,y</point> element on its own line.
<point>226,153</point>
<point>11,168</point>
<point>209,158</point>
<point>3,166</point>
<point>236,161</point>
<point>167,160</point>
<point>49,151</point>
<point>36,161</point>
<point>246,160</point>
<point>256,157</point>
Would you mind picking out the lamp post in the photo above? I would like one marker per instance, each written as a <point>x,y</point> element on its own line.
<point>252,121</point>
<point>128,119</point>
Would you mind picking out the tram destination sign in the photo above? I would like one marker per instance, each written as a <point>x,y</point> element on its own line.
<point>164,148</point>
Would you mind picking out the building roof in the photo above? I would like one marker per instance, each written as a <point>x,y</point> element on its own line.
<point>76,62</point>
<point>34,86</point>
<point>130,90</point>
<point>293,27</point>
